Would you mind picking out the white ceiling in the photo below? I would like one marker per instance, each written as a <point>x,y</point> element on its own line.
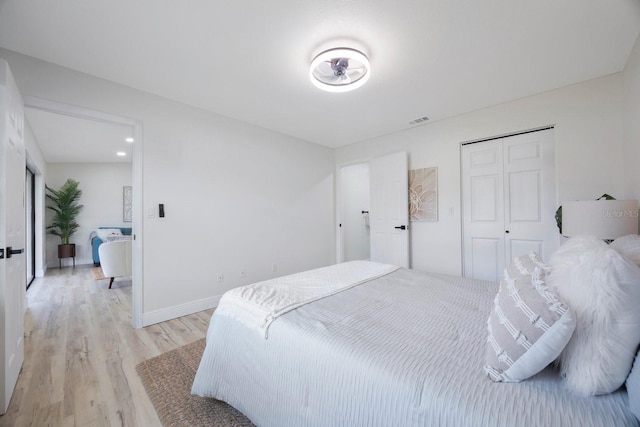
<point>65,138</point>
<point>249,59</point>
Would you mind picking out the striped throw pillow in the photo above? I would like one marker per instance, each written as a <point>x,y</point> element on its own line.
<point>529,325</point>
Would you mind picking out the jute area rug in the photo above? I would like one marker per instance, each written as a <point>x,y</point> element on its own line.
<point>167,379</point>
<point>97,273</point>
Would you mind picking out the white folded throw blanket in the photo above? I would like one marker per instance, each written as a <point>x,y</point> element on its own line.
<point>259,304</point>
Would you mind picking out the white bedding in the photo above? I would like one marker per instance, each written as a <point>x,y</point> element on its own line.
<point>406,349</point>
<point>260,304</point>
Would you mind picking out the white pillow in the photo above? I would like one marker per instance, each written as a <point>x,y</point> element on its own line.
<point>633,387</point>
<point>105,233</point>
<point>602,288</point>
<point>528,326</point>
<point>628,246</point>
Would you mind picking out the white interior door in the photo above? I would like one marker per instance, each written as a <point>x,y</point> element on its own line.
<point>530,195</point>
<point>389,213</point>
<point>509,196</point>
<point>12,237</point>
<point>483,210</point>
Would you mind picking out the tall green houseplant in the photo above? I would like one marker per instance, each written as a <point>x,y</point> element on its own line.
<point>65,207</point>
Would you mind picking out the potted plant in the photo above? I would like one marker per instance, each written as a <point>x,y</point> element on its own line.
<point>65,207</point>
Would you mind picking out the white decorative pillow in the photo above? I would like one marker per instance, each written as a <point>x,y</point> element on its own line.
<point>528,326</point>
<point>105,233</point>
<point>628,246</point>
<point>633,387</point>
<point>602,288</point>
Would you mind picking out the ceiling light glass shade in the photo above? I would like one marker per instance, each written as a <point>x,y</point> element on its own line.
<point>339,70</point>
<point>605,219</point>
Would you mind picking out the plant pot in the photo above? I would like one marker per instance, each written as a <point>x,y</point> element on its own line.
<point>67,251</point>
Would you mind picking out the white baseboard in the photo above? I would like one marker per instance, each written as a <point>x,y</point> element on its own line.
<point>175,311</point>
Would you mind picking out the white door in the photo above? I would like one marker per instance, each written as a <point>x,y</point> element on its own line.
<point>389,213</point>
<point>12,238</point>
<point>530,195</point>
<point>483,209</point>
<point>508,193</point>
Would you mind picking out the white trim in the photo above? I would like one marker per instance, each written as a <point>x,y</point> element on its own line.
<point>77,111</point>
<point>137,287</point>
<point>164,314</point>
<point>137,225</point>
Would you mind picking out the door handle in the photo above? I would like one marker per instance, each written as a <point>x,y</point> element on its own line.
<point>401,227</point>
<point>11,251</point>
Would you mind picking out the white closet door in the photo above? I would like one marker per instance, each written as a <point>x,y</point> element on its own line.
<point>530,195</point>
<point>508,195</point>
<point>483,209</point>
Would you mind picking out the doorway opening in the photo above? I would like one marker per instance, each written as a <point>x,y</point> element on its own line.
<point>373,210</point>
<point>30,221</point>
<point>354,212</point>
<point>76,114</point>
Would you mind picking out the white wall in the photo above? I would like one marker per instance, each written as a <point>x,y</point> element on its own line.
<point>589,155</point>
<point>101,185</point>
<point>236,196</point>
<point>631,79</point>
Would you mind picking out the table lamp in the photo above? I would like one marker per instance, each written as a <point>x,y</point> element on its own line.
<point>605,219</point>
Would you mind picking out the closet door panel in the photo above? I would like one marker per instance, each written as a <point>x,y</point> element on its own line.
<point>483,209</point>
<point>530,195</point>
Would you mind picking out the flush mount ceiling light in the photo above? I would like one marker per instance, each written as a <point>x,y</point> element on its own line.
<point>339,70</point>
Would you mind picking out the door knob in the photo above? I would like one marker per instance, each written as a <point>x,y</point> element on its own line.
<point>11,251</point>
<point>506,231</point>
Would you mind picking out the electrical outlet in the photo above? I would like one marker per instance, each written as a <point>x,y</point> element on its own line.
<point>243,273</point>
<point>220,277</point>
<point>274,267</point>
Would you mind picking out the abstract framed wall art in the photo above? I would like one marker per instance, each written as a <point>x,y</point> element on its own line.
<point>423,194</point>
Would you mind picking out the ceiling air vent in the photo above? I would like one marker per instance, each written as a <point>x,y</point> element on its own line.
<point>419,120</point>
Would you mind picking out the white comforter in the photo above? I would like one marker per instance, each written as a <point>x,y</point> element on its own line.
<point>258,305</point>
<point>406,349</point>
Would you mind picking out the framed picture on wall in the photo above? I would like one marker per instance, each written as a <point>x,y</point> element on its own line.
<point>127,203</point>
<point>423,194</point>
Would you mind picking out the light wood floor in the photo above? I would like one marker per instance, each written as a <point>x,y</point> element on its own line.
<point>81,352</point>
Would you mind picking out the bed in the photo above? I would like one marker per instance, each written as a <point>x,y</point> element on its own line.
<point>405,348</point>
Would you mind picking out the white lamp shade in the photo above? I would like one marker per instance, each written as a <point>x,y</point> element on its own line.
<point>605,219</point>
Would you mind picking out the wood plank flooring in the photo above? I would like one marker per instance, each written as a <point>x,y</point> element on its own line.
<point>81,352</point>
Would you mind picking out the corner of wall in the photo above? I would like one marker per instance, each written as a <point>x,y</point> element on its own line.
<point>631,111</point>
